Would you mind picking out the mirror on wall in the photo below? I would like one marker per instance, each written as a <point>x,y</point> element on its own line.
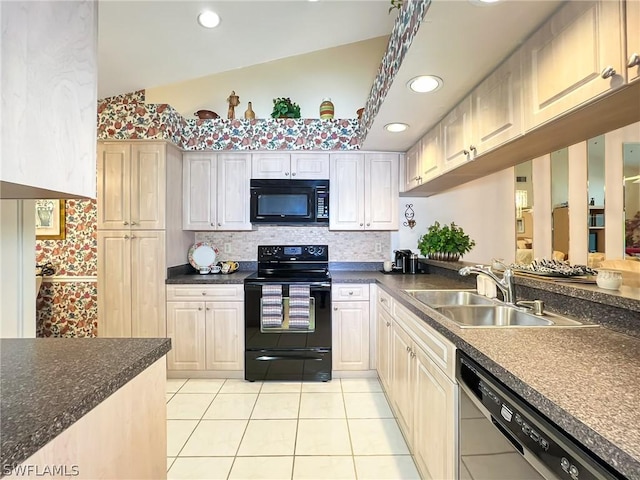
<point>560,204</point>
<point>631,171</point>
<point>524,212</point>
<point>596,195</point>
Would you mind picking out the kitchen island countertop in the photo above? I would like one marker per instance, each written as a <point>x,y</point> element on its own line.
<point>47,384</point>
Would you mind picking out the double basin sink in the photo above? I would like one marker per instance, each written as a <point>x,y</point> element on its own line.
<point>469,309</point>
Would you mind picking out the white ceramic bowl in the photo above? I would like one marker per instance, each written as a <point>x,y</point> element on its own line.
<point>609,279</point>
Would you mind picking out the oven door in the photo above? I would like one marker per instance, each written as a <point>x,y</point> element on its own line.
<point>316,336</point>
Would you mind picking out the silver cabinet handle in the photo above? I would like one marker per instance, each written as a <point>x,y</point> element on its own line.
<point>125,223</point>
<point>608,72</point>
<point>634,59</point>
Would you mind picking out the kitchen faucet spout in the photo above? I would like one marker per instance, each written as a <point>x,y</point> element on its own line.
<point>506,284</point>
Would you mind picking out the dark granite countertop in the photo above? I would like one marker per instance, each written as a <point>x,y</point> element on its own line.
<point>208,279</point>
<point>47,384</point>
<point>585,380</point>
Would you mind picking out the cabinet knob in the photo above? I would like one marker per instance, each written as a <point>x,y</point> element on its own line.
<point>126,237</point>
<point>204,293</point>
<point>335,308</point>
<point>472,148</point>
<point>350,292</point>
<point>293,174</point>
<point>388,324</point>
<point>133,223</point>
<point>413,355</point>
<point>408,348</point>
<point>219,224</point>
<point>207,309</point>
<point>199,309</point>
<point>417,179</point>
<point>213,224</point>
<point>608,72</point>
<point>362,224</point>
<point>286,174</point>
<point>383,300</point>
<point>466,152</point>
<point>132,237</point>
<point>634,59</point>
<point>125,223</point>
<point>368,224</point>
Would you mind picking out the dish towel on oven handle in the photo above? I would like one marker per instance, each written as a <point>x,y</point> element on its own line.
<point>299,301</point>
<point>271,315</point>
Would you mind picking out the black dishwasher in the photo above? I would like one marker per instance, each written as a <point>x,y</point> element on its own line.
<point>502,437</point>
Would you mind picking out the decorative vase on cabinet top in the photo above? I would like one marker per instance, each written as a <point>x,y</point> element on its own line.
<point>249,114</point>
<point>326,109</point>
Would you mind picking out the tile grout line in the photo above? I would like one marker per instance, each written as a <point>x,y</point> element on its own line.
<point>346,417</point>
<point>233,462</point>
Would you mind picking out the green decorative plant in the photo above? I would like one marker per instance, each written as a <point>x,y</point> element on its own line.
<point>395,4</point>
<point>284,107</point>
<point>449,239</point>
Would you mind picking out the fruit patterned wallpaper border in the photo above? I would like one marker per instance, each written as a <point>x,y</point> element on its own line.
<point>128,117</point>
<point>407,24</point>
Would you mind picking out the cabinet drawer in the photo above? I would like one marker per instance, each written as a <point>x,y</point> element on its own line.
<point>438,348</point>
<point>384,300</point>
<point>350,291</point>
<point>205,292</point>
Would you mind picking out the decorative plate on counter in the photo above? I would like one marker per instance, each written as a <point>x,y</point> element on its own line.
<point>202,254</point>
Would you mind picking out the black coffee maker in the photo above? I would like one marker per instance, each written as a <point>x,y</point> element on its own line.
<point>402,260</point>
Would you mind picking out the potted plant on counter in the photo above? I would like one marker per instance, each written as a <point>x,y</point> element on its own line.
<point>285,108</point>
<point>447,242</point>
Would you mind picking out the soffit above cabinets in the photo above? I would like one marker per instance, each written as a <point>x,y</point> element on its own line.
<point>461,42</point>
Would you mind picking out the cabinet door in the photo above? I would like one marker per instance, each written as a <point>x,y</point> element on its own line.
<point>633,39</point>
<point>148,186</point>
<point>412,168</point>
<point>402,379</point>
<point>114,198</point>
<point>234,176</point>
<point>350,331</point>
<point>430,161</point>
<point>435,403</point>
<point>224,335</point>
<point>148,269</point>
<point>565,57</point>
<point>199,181</point>
<point>346,199</point>
<point>270,165</point>
<point>114,283</point>
<point>310,166</point>
<point>186,328</point>
<point>381,191</point>
<point>497,106</point>
<point>457,135</point>
<point>383,350</point>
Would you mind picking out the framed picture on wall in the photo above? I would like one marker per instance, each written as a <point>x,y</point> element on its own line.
<point>520,225</point>
<point>50,224</point>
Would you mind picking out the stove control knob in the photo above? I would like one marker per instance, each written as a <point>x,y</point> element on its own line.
<point>311,250</point>
<point>320,251</point>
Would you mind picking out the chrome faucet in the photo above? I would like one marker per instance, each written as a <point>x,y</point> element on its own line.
<point>506,285</point>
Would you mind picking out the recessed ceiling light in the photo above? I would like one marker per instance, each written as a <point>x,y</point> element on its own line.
<point>483,2</point>
<point>208,19</point>
<point>425,83</point>
<point>396,127</point>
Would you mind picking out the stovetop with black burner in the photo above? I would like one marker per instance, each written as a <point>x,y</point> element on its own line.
<point>291,263</point>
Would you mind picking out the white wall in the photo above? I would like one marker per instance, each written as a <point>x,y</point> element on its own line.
<point>306,79</point>
<point>484,208</point>
<point>17,269</point>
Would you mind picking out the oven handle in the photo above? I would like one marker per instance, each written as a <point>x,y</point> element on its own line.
<point>268,358</point>
<point>314,286</point>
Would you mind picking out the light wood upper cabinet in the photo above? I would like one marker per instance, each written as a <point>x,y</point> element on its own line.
<point>132,299</point>
<point>431,154</point>
<point>412,167</point>
<point>49,60</point>
<point>131,186</point>
<point>296,166</point>
<point>216,191</point>
<point>364,191</point>
<point>633,40</point>
<point>565,59</point>
<point>497,106</point>
<point>457,135</point>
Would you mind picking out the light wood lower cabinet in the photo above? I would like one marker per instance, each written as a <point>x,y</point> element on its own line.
<point>350,326</point>
<point>206,327</point>
<point>422,389</point>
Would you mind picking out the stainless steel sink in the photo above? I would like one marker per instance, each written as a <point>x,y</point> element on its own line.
<point>436,298</point>
<point>503,316</point>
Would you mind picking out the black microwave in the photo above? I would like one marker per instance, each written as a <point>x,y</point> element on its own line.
<point>289,201</point>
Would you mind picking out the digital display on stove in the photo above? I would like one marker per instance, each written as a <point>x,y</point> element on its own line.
<point>293,250</point>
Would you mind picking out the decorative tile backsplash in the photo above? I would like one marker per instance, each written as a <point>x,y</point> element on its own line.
<point>343,246</point>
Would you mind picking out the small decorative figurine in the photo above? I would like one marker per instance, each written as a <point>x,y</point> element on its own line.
<point>234,101</point>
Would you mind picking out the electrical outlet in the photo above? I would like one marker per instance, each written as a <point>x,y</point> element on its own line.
<point>378,247</point>
<point>227,248</point>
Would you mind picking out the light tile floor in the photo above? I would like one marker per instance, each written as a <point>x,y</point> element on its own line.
<point>232,429</point>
